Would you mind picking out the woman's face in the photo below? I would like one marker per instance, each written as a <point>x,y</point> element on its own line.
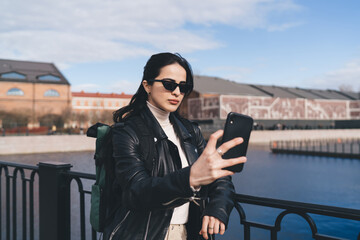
<point>158,96</point>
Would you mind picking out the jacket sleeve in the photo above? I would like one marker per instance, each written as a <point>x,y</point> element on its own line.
<point>220,192</point>
<point>140,190</point>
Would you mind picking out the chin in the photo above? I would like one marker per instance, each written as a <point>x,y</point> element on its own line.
<point>170,108</point>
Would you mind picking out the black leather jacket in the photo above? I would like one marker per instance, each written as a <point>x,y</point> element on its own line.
<point>150,195</point>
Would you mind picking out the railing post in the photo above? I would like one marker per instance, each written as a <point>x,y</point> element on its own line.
<point>54,190</point>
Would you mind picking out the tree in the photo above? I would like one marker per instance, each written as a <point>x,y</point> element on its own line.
<point>15,119</point>
<point>346,88</point>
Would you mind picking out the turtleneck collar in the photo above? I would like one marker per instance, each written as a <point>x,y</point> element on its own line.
<point>161,116</point>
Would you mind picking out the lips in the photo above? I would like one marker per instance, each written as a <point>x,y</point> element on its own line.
<point>173,101</point>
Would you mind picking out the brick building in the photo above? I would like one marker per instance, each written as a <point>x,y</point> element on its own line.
<point>31,91</point>
<point>90,108</point>
<point>213,98</point>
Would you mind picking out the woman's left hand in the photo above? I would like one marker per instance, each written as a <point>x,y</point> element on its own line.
<point>211,225</point>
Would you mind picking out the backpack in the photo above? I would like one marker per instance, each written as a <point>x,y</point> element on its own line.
<point>103,202</point>
<point>103,192</point>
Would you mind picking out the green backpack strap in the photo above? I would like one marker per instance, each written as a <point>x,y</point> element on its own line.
<point>98,197</point>
<point>101,139</point>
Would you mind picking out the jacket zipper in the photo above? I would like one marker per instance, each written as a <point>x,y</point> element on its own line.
<point>118,226</point>
<point>191,199</point>
<point>147,227</point>
<point>168,203</point>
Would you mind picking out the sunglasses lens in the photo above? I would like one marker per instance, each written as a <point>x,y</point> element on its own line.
<point>184,88</point>
<point>169,85</point>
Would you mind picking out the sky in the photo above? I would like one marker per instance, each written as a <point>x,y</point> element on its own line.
<point>103,45</point>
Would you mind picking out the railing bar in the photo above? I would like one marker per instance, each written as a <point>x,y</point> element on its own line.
<point>259,225</point>
<point>17,165</point>
<point>73,174</point>
<point>246,231</point>
<point>31,213</point>
<point>87,191</point>
<point>14,216</point>
<point>93,234</point>
<point>7,207</point>
<point>326,237</point>
<point>273,234</point>
<point>298,206</point>
<point>82,216</point>
<point>24,208</point>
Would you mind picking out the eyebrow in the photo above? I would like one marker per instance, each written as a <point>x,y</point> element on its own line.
<point>172,80</point>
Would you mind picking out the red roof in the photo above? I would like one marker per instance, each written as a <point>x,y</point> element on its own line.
<point>100,95</point>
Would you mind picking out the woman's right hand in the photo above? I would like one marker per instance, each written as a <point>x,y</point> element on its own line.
<point>210,165</point>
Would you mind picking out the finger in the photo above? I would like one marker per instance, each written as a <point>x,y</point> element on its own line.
<point>214,138</point>
<point>230,144</point>
<point>216,226</point>
<point>222,228</point>
<point>224,173</point>
<point>233,161</point>
<point>211,225</point>
<point>204,228</point>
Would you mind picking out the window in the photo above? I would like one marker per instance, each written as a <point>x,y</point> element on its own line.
<point>15,92</point>
<point>49,77</point>
<point>51,93</point>
<point>13,75</point>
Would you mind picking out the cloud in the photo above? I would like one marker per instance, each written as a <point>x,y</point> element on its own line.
<point>230,72</point>
<point>124,86</point>
<point>73,31</point>
<point>283,26</point>
<point>117,86</point>
<point>349,75</point>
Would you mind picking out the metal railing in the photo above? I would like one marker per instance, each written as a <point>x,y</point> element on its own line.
<point>344,148</point>
<point>55,205</point>
<point>77,176</point>
<point>11,201</point>
<point>290,207</point>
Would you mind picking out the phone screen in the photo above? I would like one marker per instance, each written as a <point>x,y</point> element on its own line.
<point>237,125</point>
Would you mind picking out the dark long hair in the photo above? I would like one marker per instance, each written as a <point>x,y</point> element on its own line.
<point>151,71</point>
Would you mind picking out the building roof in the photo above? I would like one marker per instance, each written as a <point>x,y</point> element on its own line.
<point>205,85</point>
<point>28,71</point>
<point>214,85</point>
<point>100,95</point>
<point>354,95</point>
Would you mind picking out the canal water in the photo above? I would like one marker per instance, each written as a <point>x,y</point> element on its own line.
<point>319,180</point>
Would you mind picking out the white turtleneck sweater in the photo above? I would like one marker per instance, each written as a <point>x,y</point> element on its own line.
<point>180,215</point>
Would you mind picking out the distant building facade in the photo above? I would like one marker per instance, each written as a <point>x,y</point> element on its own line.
<point>37,94</point>
<point>214,98</point>
<point>31,91</point>
<point>96,107</point>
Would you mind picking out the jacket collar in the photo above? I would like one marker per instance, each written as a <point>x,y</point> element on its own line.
<point>154,125</point>
<point>180,128</point>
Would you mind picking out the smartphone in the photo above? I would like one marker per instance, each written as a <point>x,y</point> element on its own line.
<point>237,125</point>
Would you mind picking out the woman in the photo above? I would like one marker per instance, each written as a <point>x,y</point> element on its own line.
<point>167,200</point>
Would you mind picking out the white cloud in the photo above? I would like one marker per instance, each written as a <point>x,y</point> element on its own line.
<point>119,86</point>
<point>348,75</point>
<point>72,31</point>
<point>230,72</point>
<point>283,26</point>
<point>124,86</point>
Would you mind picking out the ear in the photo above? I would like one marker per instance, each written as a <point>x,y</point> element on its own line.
<point>146,86</point>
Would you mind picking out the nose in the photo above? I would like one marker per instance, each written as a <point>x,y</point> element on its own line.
<point>176,91</point>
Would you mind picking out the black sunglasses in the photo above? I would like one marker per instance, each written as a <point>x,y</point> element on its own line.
<point>171,85</point>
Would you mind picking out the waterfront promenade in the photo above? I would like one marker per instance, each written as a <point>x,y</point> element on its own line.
<point>70,143</point>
